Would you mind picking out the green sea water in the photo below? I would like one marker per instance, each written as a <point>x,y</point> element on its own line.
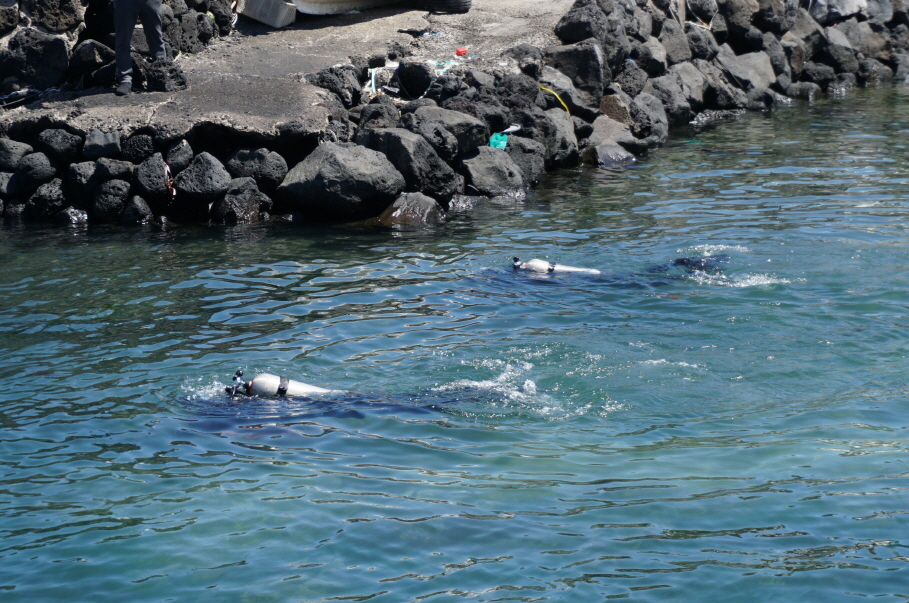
<point>649,434</point>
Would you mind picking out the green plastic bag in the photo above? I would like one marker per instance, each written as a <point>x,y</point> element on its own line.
<point>498,141</point>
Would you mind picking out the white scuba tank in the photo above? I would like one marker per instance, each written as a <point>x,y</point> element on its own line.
<point>536,265</point>
<point>267,384</point>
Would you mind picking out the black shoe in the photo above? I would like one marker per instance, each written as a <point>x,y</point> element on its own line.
<point>124,89</point>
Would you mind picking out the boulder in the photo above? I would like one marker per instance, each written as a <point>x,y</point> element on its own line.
<point>607,133</point>
<point>99,143</point>
<point>764,99</point>
<point>445,87</point>
<point>492,173</point>
<point>530,157</point>
<point>13,211</point>
<point>822,75</point>
<point>5,193</point>
<point>693,84</point>
<point>71,216</point>
<point>379,115</point>
<point>650,121</point>
<point>223,14</point>
<point>47,200</point>
<point>58,15</point>
<point>879,11</point>
<point>582,129</point>
<point>11,152</point>
<point>674,40</point>
<point>9,17</point>
<point>136,212</point>
<point>804,90</point>
<point>113,169</point>
<point>750,70</point>
<point>520,90</point>
<point>88,56</point>
<point>776,16</point>
<point>32,171</point>
<point>442,141</point>
<point>109,200</point>
<point>866,37</point>
<point>60,144</point>
<point>151,183</point>
<point>80,183</point>
<point>186,36</point>
<point>537,125</point>
<point>704,10</point>
<point>411,211</point>
<point>777,54</point>
<point>719,29</point>
<point>615,44</point>
<point>616,105</point>
<point>577,102</point>
<point>163,75</point>
<point>179,155</point>
<point>701,42</point>
<point>607,155</point>
<point>529,65</point>
<point>631,78</point>
<point>832,11</point>
<point>900,12</point>
<point>137,148</point>
<point>267,168</point>
<point>806,31</point>
<point>338,182</point>
<point>468,131</point>
<point>839,53</point>
<point>36,58</point>
<point>422,168</point>
<point>484,105</point>
<point>584,63</point>
<point>651,56</point>
<point>565,152</point>
<point>585,19</point>
<point>637,22</point>
<point>874,73</point>
<point>668,89</point>
<point>203,181</point>
<point>241,204</point>
<point>901,68</point>
<point>842,84</point>
<point>719,93</point>
<point>738,14</point>
<point>342,81</point>
<point>795,56</point>
<point>415,77</point>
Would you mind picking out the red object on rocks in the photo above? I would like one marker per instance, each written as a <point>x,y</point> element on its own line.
<point>461,51</point>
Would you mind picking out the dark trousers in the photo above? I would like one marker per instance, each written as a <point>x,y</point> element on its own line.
<point>125,14</point>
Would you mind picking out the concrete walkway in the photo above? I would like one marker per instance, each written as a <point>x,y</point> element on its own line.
<point>252,80</point>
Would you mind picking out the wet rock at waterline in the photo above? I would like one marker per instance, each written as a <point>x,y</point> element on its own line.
<point>340,182</point>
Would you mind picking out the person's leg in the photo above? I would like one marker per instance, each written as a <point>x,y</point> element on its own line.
<point>151,23</point>
<point>125,13</point>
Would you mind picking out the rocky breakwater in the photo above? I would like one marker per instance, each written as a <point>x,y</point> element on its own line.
<point>398,141</point>
<point>69,43</point>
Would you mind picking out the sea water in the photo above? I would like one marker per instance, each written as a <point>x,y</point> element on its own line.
<point>652,433</point>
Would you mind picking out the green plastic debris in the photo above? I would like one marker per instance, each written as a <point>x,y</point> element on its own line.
<point>498,140</point>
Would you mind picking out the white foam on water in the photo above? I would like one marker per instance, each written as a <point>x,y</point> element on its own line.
<point>738,281</point>
<point>708,249</point>
<point>197,390</point>
<point>511,388</point>
<point>663,361</point>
